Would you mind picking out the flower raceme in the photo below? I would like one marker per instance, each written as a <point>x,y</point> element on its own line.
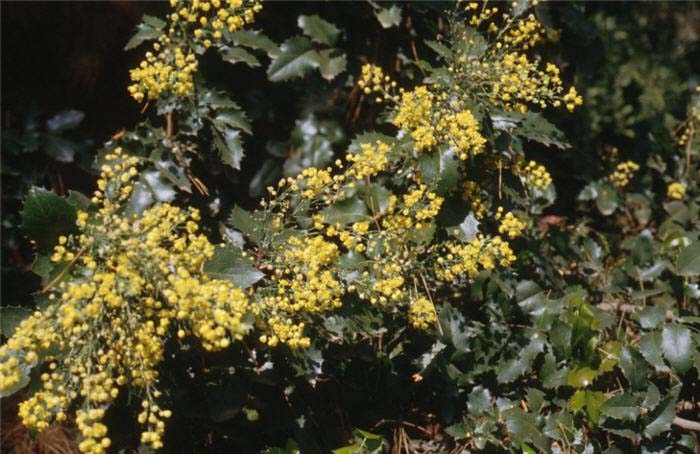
<point>170,66</point>
<point>108,322</point>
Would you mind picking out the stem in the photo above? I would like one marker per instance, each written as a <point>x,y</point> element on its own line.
<point>686,424</point>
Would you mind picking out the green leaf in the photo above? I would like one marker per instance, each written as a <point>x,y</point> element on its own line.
<point>11,317</point>
<point>537,128</point>
<point>606,201</point>
<point>46,216</point>
<point>230,146</point>
<point>232,118</point>
<point>581,377</point>
<point>469,228</point>
<point>479,400</point>
<point>78,200</point>
<point>440,170</point>
<point>228,263</point>
<point>346,211</point>
<point>663,417</point>
<point>148,30</point>
<point>296,58</point>
<point>141,198</point>
<point>650,347</point>
<point>244,222</point>
<point>651,316</point>
<point>677,346</point>
<point>236,54</point>
<point>65,121</point>
<point>454,328</point>
<point>592,401</point>
<point>319,30</point>
<point>634,367</point>
<point>60,149</point>
<point>389,17</point>
<point>688,263</point>
<point>523,363</point>
<point>621,406</point>
<point>257,40</point>
<point>24,368</point>
<point>442,50</point>
<point>329,66</point>
<point>376,197</point>
<point>524,428</point>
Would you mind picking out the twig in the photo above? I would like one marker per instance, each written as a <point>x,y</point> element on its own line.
<point>686,424</point>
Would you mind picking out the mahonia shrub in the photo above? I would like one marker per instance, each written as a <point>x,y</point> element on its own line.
<point>425,254</point>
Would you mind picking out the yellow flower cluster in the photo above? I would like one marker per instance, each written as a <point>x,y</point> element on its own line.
<point>676,190</point>
<point>535,176</point>
<point>429,210</point>
<point>462,131</point>
<point>572,99</point>
<point>304,281</point>
<point>133,282</point>
<point>373,80</point>
<point>623,173</point>
<point>510,225</point>
<point>170,70</point>
<point>415,115</point>
<point>688,129</point>
<point>459,259</point>
<point>421,313</point>
<point>371,160</point>
<point>471,192</point>
<point>428,122</point>
<point>170,66</point>
<point>503,74</point>
<point>212,17</point>
<point>314,181</point>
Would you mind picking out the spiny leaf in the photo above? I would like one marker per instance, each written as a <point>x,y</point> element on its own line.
<point>237,54</point>
<point>688,263</point>
<point>319,30</point>
<point>677,345</point>
<point>389,17</point>
<point>46,216</point>
<point>295,59</point>
<point>257,40</point>
<point>11,317</point>
<point>228,263</point>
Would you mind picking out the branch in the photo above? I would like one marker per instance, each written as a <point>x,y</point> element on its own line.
<point>686,424</point>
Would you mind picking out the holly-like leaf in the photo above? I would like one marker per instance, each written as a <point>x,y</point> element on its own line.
<point>256,40</point>
<point>237,54</point>
<point>11,317</point>
<point>295,59</point>
<point>537,128</point>
<point>346,211</point>
<point>232,118</point>
<point>319,30</point>
<point>607,200</point>
<point>677,345</point>
<point>621,406</point>
<point>389,17</point>
<point>228,263</point>
<point>149,29</point>
<point>65,121</point>
<point>663,416</point>
<point>688,263</point>
<point>244,222</point>
<point>329,66</point>
<point>228,142</point>
<point>592,401</point>
<point>46,216</point>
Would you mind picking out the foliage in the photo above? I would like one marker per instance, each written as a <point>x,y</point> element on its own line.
<point>426,287</point>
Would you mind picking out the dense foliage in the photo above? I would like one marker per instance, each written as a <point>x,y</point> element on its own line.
<point>407,276</point>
